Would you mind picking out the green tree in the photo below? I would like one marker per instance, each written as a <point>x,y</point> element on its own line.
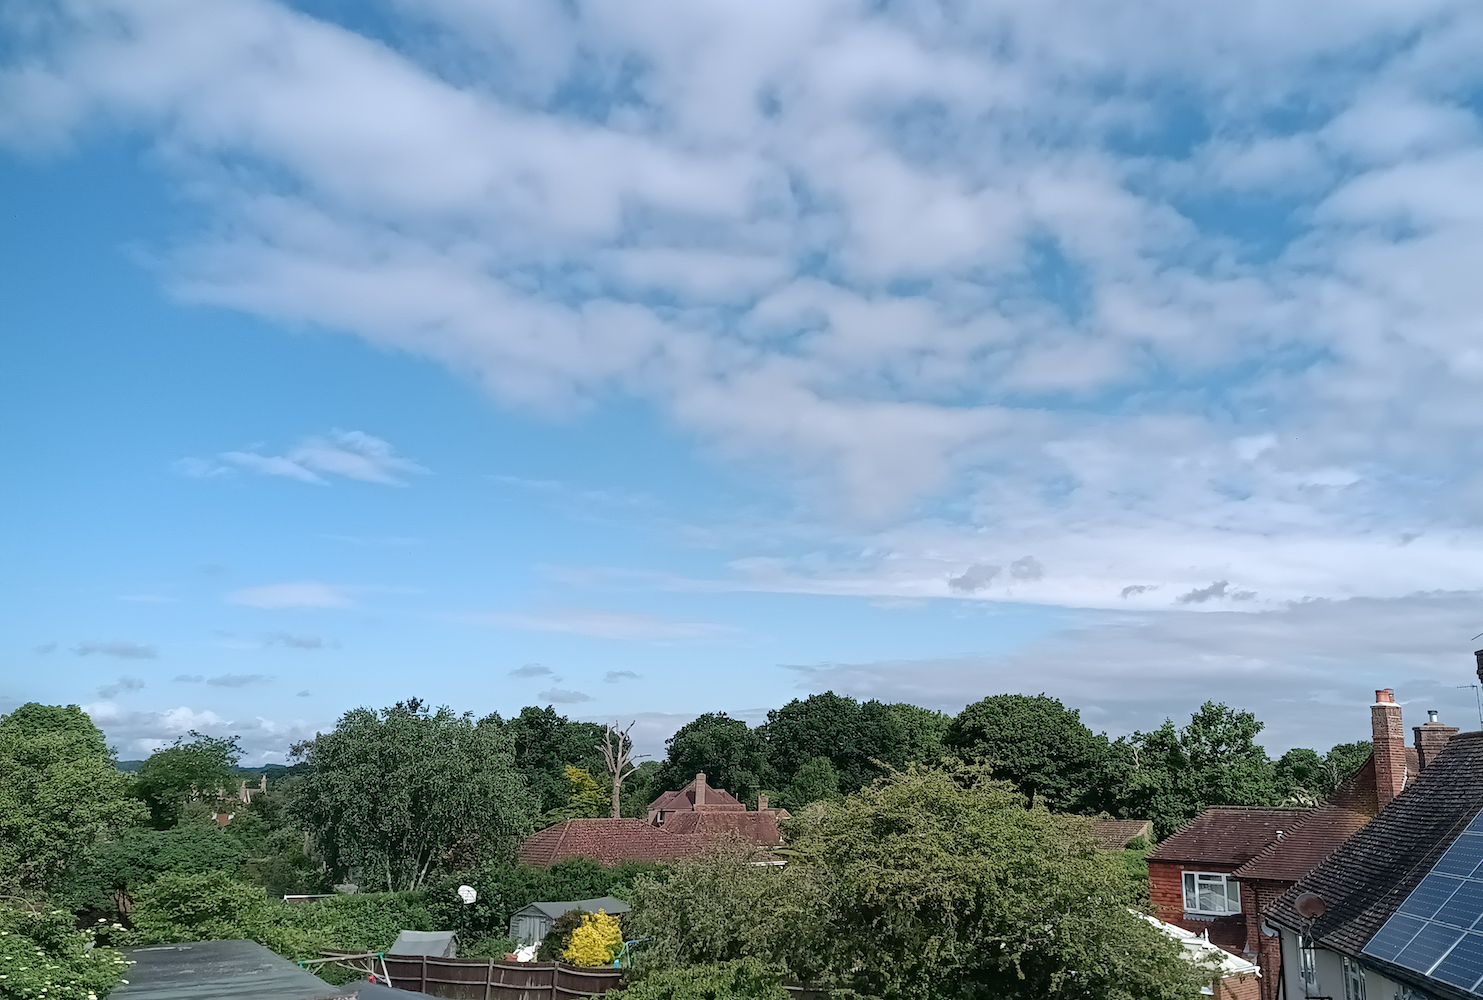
<point>641,788</point>
<point>1172,775</point>
<point>396,793</point>
<point>1038,744</point>
<point>862,741</point>
<point>107,878</point>
<point>59,794</point>
<point>816,781</point>
<point>544,742</point>
<point>731,753</point>
<point>44,956</point>
<point>1303,777</point>
<point>585,799</point>
<point>199,768</point>
<point>946,886</point>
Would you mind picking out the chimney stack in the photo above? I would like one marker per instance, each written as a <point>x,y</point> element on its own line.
<point>1390,746</point>
<point>1431,739</point>
<point>762,803</point>
<point>700,791</point>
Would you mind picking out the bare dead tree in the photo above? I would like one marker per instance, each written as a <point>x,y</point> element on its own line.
<point>617,751</point>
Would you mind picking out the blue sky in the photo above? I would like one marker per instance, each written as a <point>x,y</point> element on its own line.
<point>650,360</point>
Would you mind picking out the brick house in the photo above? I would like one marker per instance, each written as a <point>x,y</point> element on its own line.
<point>1190,881</point>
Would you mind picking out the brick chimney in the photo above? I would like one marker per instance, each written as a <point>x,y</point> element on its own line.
<point>1390,746</point>
<point>762,803</point>
<point>700,791</point>
<point>1431,739</point>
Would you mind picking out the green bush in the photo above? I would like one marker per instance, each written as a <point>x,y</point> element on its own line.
<point>213,906</point>
<point>42,955</point>
<point>505,888</point>
<point>745,979</point>
<point>102,879</point>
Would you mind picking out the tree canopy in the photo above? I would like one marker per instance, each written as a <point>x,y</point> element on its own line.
<point>731,753</point>
<point>193,768</point>
<point>396,793</point>
<point>1038,744</point>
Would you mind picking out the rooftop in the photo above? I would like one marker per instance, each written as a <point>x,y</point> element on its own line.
<point>611,841</point>
<point>218,970</point>
<point>1226,835</point>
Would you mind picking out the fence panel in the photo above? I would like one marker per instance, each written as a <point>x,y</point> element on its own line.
<point>485,979</point>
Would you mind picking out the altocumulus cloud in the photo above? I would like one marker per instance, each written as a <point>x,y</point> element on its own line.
<point>118,648</point>
<point>905,249</point>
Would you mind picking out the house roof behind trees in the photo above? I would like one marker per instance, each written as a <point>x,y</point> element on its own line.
<point>611,841</point>
<point>1227,835</point>
<point>1305,844</point>
<point>760,828</point>
<point>716,799</point>
<point>1114,834</point>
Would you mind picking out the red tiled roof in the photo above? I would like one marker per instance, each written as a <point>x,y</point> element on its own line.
<point>684,800</point>
<point>760,828</point>
<point>1317,835</point>
<point>1114,834</point>
<point>1226,835</point>
<point>611,841</point>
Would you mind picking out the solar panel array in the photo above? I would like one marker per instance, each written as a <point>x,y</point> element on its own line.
<point>1438,930</point>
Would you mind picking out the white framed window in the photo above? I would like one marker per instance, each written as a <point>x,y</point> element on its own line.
<point>1307,962</point>
<point>1211,892</point>
<point>1354,979</point>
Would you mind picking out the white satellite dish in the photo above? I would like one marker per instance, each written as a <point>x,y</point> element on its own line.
<point>467,894</point>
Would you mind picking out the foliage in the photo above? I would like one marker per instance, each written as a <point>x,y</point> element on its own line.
<point>1172,775</point>
<point>1038,744</point>
<point>214,906</point>
<point>1304,777</point>
<point>43,955</point>
<point>397,793</point>
<point>59,793</point>
<point>105,879</point>
<point>544,743</point>
<point>594,941</point>
<point>559,937</point>
<point>641,788</point>
<point>198,768</point>
<point>585,798</point>
<point>853,736</point>
<point>279,857</point>
<point>947,886</point>
<point>718,908</point>
<point>816,781</point>
<point>732,755</point>
<point>504,888</point>
<point>742,979</point>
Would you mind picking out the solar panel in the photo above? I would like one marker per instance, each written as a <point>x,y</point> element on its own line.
<point>1432,932</point>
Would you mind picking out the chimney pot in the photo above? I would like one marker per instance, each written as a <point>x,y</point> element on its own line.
<point>1386,696</point>
<point>1431,716</point>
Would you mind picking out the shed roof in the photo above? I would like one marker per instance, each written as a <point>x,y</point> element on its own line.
<point>217,970</point>
<point>435,944</point>
<point>1368,877</point>
<point>608,904</point>
<point>1226,835</point>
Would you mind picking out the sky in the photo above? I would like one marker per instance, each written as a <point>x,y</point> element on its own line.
<point>649,359</point>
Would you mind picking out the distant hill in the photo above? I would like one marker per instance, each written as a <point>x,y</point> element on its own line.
<point>271,770</point>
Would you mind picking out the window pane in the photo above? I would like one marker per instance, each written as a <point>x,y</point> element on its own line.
<point>1233,897</point>
<point>1189,890</point>
<point>1212,898</point>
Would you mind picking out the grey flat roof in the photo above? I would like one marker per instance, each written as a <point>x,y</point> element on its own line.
<point>608,904</point>
<point>217,970</point>
<point>434,944</point>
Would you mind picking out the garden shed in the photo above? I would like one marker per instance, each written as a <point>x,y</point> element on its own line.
<point>530,924</point>
<point>436,944</point>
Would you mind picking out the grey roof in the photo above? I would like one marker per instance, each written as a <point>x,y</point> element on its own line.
<point>217,970</point>
<point>608,904</point>
<point>435,944</point>
<point>377,991</point>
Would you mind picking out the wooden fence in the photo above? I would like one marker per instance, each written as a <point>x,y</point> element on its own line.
<point>487,979</point>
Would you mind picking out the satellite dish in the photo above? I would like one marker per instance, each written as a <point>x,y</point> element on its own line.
<point>1310,906</point>
<point>468,895</point>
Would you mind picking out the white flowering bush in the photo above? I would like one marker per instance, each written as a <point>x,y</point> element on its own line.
<point>44,957</point>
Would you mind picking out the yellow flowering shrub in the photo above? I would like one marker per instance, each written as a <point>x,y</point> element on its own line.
<point>595,941</point>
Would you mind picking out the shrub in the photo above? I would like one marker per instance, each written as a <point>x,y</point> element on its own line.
<point>559,937</point>
<point>105,879</point>
<point>744,979</point>
<point>505,888</point>
<point>42,955</point>
<point>594,941</point>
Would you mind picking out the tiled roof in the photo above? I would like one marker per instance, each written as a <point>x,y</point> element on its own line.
<point>684,800</point>
<point>1114,834</point>
<point>760,828</point>
<point>611,841</point>
<point>1371,874</point>
<point>1303,847</point>
<point>1226,835</point>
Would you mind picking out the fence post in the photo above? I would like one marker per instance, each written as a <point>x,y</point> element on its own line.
<point>423,987</point>
<point>488,979</point>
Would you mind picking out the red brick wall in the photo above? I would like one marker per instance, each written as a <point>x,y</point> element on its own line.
<point>1268,950</point>
<point>1239,988</point>
<point>1166,894</point>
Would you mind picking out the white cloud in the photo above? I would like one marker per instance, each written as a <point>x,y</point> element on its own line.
<point>563,696</point>
<point>121,685</point>
<point>606,624</point>
<point>237,680</point>
<point>1095,285</point>
<point>348,454</point>
<point>118,648</point>
<point>303,594</point>
<point>140,733</point>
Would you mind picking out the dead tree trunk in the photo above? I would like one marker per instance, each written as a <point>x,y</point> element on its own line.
<point>617,751</point>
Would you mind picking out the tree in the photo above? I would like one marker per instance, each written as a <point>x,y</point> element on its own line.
<point>946,886</point>
<point>595,941</point>
<point>862,741</point>
<point>617,753</point>
<point>1038,744</point>
<point>816,781</point>
<point>198,768</point>
<point>1304,777</point>
<point>732,755</point>
<point>584,797</point>
<point>744,979</point>
<point>59,794</point>
<point>545,742</point>
<point>1172,775</point>
<point>396,793</point>
<point>109,876</point>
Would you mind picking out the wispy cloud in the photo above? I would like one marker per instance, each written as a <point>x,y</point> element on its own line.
<point>533,670</point>
<point>237,680</point>
<point>345,454</point>
<point>121,685</point>
<point>301,594</point>
<point>118,648</point>
<point>44,648</point>
<point>618,676</point>
<point>307,642</point>
<point>563,696</point>
<point>606,624</point>
<point>188,678</point>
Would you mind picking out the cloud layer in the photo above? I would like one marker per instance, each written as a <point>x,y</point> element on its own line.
<point>1168,296</point>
